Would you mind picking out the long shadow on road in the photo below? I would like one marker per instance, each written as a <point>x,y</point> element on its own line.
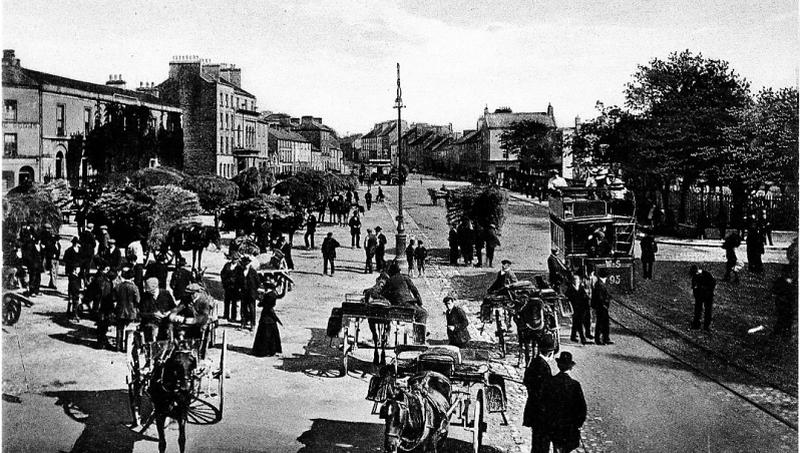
<point>319,359</point>
<point>104,415</point>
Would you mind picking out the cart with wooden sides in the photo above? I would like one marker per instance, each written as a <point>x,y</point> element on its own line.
<point>208,388</point>
<point>577,214</point>
<point>394,325</point>
<point>475,390</point>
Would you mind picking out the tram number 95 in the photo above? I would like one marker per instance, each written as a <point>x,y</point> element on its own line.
<point>614,279</point>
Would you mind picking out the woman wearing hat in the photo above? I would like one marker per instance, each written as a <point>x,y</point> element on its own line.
<point>268,338</point>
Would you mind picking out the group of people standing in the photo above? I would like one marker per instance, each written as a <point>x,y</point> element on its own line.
<point>468,242</point>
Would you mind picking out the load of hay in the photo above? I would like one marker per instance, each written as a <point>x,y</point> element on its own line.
<point>308,188</point>
<point>260,212</point>
<point>483,205</point>
<point>148,214</point>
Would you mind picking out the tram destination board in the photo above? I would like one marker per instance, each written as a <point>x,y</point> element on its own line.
<point>620,271</point>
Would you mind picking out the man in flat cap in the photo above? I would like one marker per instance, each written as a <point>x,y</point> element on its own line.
<point>504,278</point>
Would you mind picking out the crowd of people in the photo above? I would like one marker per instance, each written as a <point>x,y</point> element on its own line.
<point>468,242</point>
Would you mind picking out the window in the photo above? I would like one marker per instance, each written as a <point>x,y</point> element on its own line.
<point>87,120</point>
<point>10,110</point>
<point>226,100</point>
<point>60,120</point>
<point>10,145</point>
<point>221,103</point>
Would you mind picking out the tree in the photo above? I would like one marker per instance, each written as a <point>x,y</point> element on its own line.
<point>215,192</point>
<point>685,103</point>
<point>535,143</point>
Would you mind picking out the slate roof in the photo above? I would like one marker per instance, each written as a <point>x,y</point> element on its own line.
<point>282,134</point>
<point>237,90</point>
<point>420,138</point>
<point>505,120</point>
<point>312,126</point>
<point>15,75</point>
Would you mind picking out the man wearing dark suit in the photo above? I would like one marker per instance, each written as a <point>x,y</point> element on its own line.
<point>504,278</point>
<point>72,256</point>
<point>252,283</point>
<point>400,290</point>
<point>601,300</point>
<point>554,269</point>
<point>113,255</point>
<point>535,416</point>
<point>457,323</point>
<point>127,298</point>
<point>565,407</point>
<point>232,291</point>
<point>311,228</point>
<point>703,284</point>
<point>180,280</point>
<point>329,245</point>
<point>576,294</point>
<point>158,270</point>
<point>380,250</point>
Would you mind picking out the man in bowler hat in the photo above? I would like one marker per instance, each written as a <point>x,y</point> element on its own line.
<point>565,406</point>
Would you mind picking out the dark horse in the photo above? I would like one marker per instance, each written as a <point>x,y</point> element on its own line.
<point>172,391</point>
<point>191,236</point>
<point>417,417</point>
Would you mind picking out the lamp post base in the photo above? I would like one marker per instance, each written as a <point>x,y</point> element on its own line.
<point>400,244</point>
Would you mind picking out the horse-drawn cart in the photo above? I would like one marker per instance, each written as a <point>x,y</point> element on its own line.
<point>383,319</point>
<point>535,309</point>
<point>156,374</point>
<point>420,396</point>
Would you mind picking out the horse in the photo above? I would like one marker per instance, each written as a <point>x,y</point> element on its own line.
<point>530,321</point>
<point>417,417</point>
<point>191,236</point>
<point>172,390</point>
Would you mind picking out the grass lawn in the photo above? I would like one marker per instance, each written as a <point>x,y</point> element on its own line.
<point>737,308</point>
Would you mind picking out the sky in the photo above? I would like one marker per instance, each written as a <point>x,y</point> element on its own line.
<point>337,60</point>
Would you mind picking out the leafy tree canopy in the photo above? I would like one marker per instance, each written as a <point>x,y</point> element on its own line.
<point>536,144</point>
<point>215,192</point>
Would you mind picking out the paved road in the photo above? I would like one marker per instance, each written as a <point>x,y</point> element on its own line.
<point>60,394</point>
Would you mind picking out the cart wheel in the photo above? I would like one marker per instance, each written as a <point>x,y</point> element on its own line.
<point>222,355</point>
<point>202,412</point>
<point>12,309</point>
<point>478,425</point>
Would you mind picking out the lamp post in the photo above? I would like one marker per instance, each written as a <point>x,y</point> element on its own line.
<point>400,237</point>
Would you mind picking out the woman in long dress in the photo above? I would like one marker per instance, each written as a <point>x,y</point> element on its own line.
<point>268,337</point>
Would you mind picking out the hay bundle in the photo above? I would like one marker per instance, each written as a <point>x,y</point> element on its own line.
<point>246,214</point>
<point>35,208</point>
<point>307,188</point>
<point>483,205</point>
<point>215,192</point>
<point>157,176</point>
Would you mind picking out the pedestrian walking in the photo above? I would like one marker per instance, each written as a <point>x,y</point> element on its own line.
<point>535,415</point>
<point>126,310</point>
<point>102,295</point>
<point>420,255</point>
<point>74,291</point>
<point>51,249</point>
<point>579,299</point>
<point>286,247</point>
<point>730,244</point>
<point>410,257</point>
<point>311,228</point>
<point>329,245</point>
<point>355,230</point>
<point>321,211</point>
<point>601,301</point>
<point>72,258</point>
<point>33,259</point>
<point>565,406</point>
<point>649,249</point>
<point>452,240</point>
<point>381,197</point>
<point>250,294</point>
<point>703,284</point>
<point>370,245</point>
<point>765,226</point>
<point>491,242</point>
<point>755,248</point>
<point>480,240</point>
<point>268,338</point>
<point>380,251</point>
<point>555,269</point>
<point>368,200</point>
<point>457,323</point>
<point>231,287</point>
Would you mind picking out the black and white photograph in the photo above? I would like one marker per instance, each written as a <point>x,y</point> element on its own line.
<point>350,226</point>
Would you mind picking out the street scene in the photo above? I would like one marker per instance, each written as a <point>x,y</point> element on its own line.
<point>593,260</point>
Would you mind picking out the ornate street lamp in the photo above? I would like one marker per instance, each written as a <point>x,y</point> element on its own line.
<point>400,237</point>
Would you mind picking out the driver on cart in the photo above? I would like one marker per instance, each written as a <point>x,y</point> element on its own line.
<point>400,290</point>
<point>505,278</point>
<point>190,317</point>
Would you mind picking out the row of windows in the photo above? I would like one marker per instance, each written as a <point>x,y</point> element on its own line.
<point>226,100</point>
<point>226,170</point>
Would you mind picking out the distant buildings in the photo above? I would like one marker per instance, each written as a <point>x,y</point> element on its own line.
<point>325,151</point>
<point>490,126</point>
<point>223,133</point>
<point>293,151</point>
<point>43,113</point>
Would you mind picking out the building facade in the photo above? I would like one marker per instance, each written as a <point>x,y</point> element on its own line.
<point>494,159</point>
<point>222,134</point>
<point>44,113</point>
<point>293,151</point>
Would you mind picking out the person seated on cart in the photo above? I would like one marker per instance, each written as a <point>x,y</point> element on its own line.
<point>505,278</point>
<point>400,290</point>
<point>190,318</point>
<point>597,245</point>
<point>156,305</point>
